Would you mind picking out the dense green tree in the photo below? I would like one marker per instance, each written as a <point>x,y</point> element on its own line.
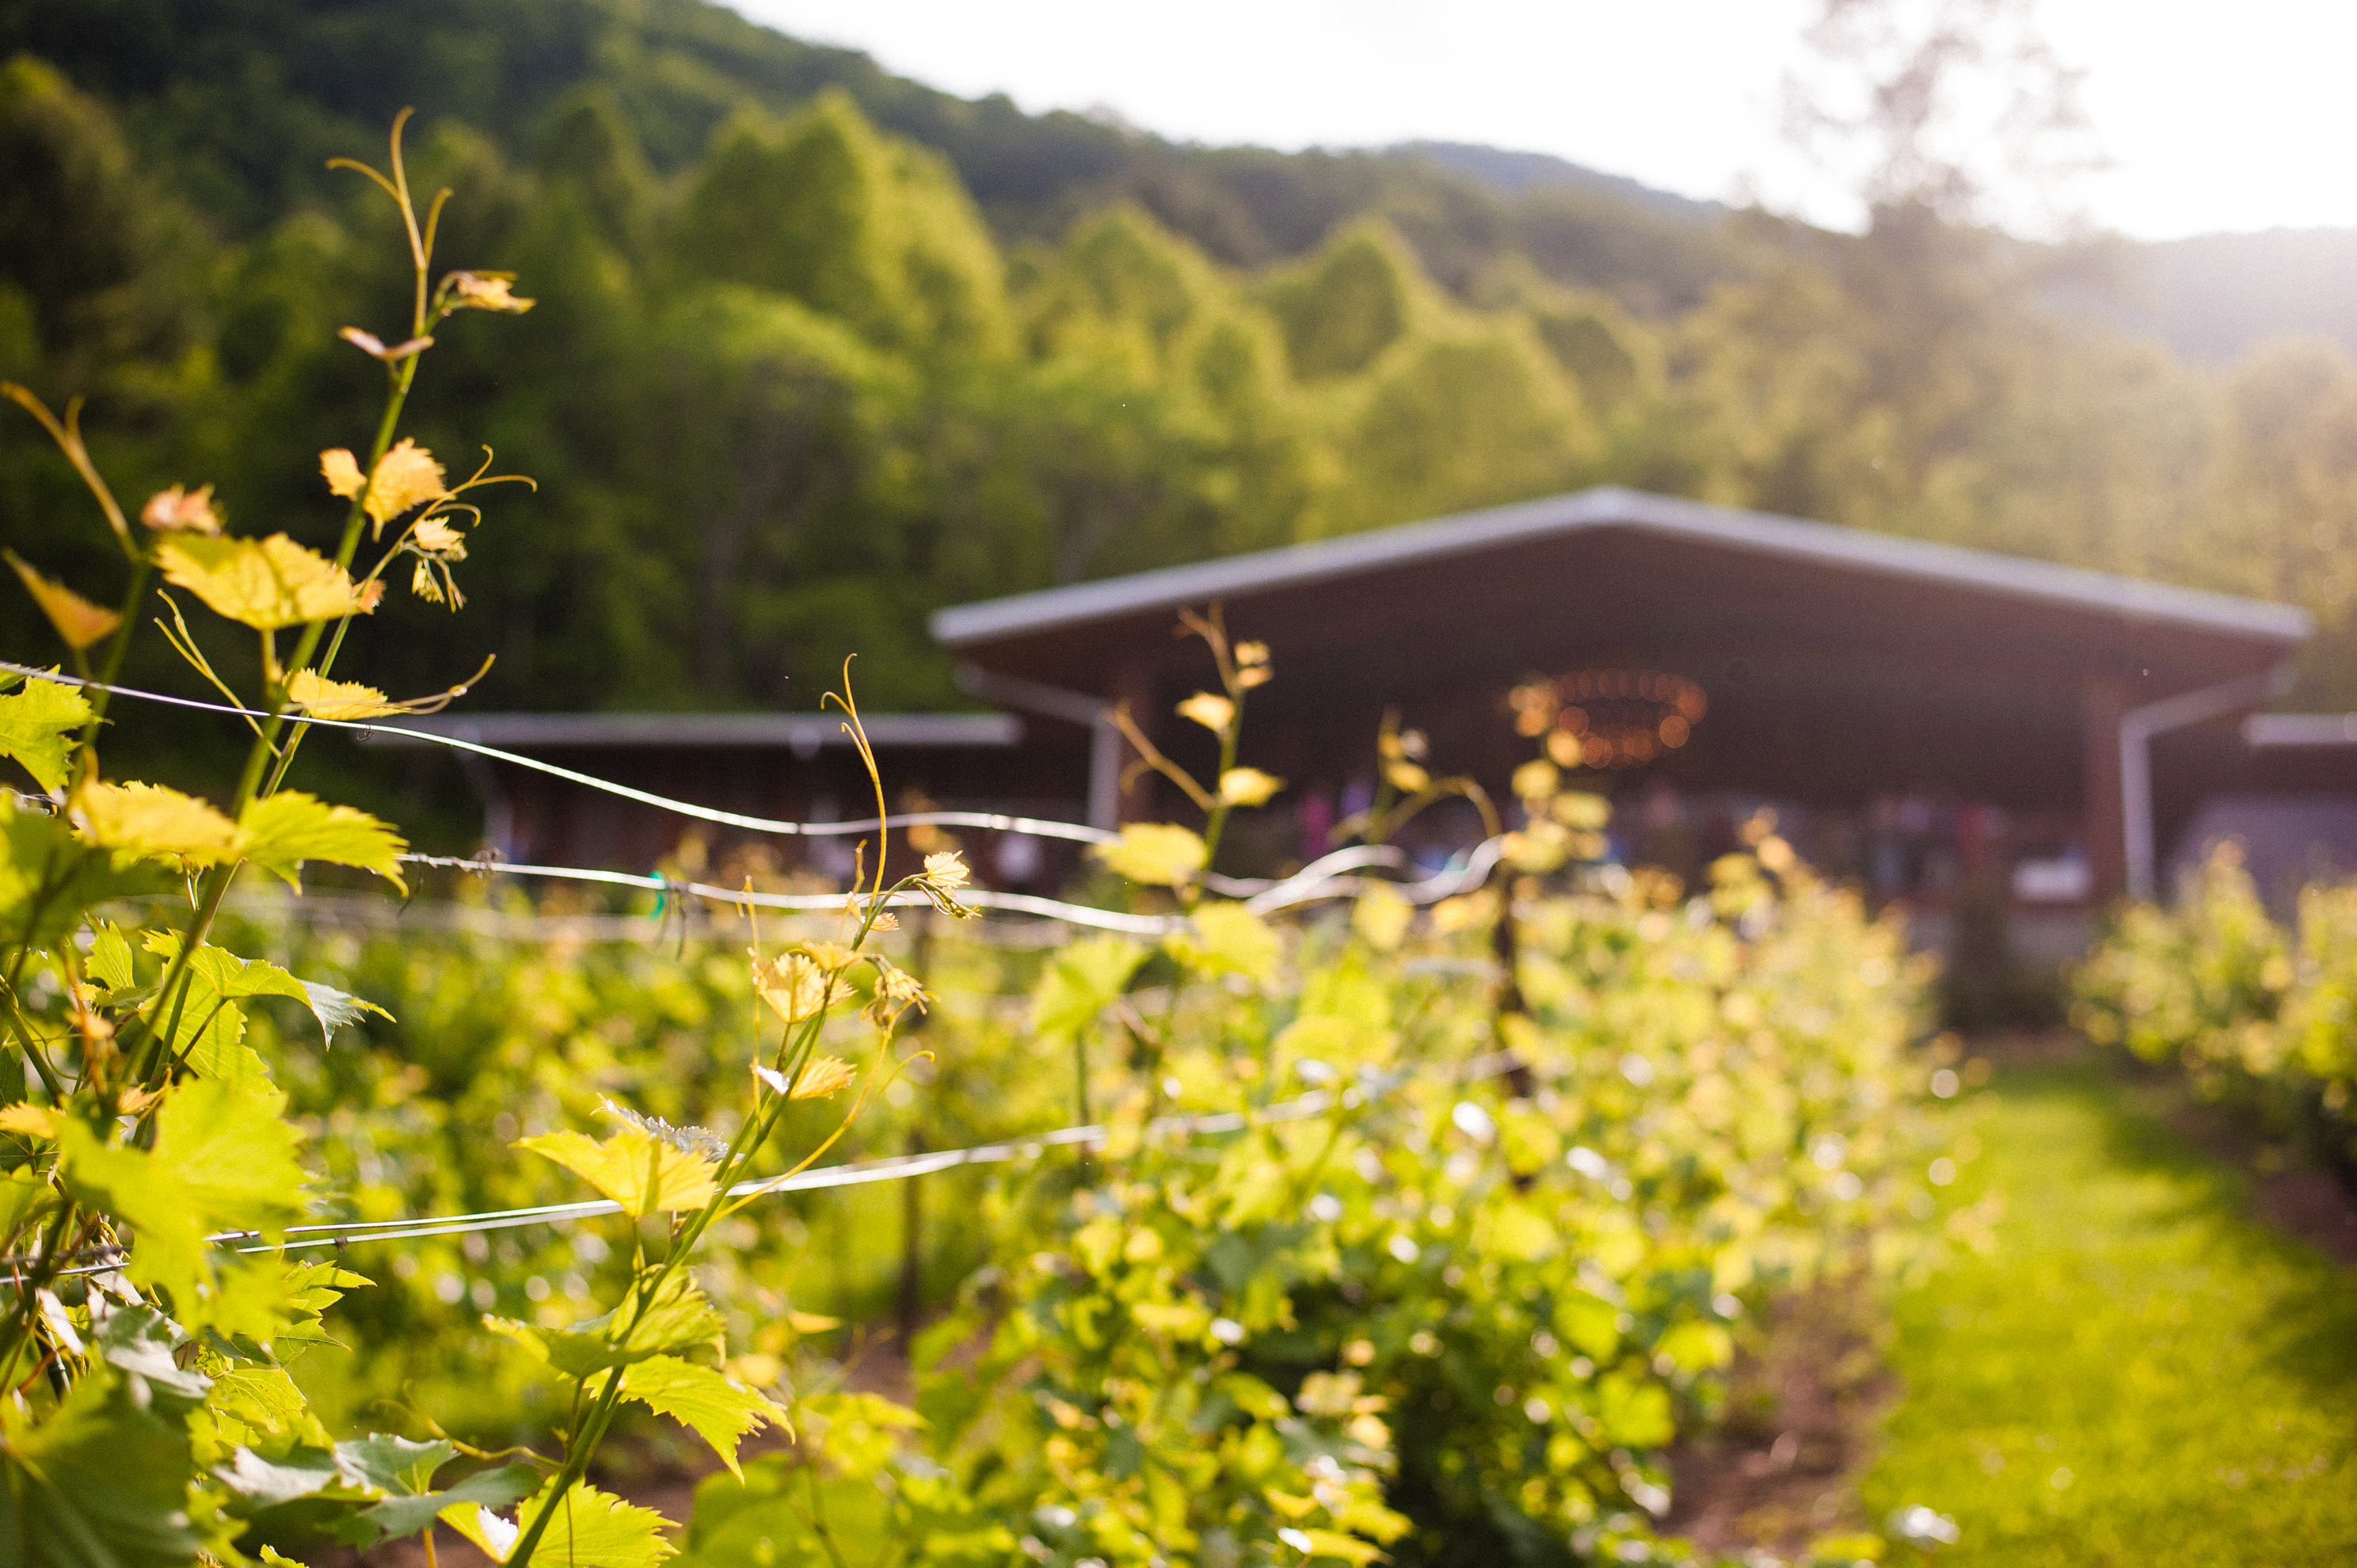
<point>818,350</point>
<point>868,228</point>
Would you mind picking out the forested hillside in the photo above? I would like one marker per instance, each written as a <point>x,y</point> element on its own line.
<point>818,350</point>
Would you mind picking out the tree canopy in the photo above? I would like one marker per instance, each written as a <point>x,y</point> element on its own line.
<point>819,350</point>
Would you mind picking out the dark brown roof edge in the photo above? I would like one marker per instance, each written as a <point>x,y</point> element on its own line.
<point>2074,588</point>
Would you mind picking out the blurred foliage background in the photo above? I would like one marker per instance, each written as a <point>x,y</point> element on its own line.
<point>821,350</point>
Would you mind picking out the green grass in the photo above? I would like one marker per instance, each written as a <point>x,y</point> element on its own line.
<point>2140,1372</point>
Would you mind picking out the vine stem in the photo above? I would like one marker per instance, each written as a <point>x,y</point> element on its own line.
<point>251,784</point>
<point>750,1138</point>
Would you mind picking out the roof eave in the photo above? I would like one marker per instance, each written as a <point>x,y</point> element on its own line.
<point>962,625</point>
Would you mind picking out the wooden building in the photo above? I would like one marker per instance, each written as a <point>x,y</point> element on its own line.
<point>1923,718</point>
<point>1923,715</point>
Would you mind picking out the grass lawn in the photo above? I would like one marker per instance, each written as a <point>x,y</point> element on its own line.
<point>2140,1373</point>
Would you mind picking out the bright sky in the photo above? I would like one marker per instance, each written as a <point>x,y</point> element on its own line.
<point>2216,116</point>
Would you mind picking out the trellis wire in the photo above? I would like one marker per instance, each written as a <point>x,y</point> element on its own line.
<point>1321,880</point>
<point>1037,827</point>
<point>1326,878</point>
<point>854,1172</point>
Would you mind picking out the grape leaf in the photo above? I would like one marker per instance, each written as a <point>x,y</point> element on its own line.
<point>398,1465</point>
<point>152,822</point>
<point>79,622</point>
<point>109,962</point>
<point>49,879</point>
<point>265,1483</point>
<point>590,1529</point>
<point>265,583</point>
<point>291,827</point>
<point>405,477</point>
<point>337,1009</point>
<point>1230,940</point>
<point>326,699</point>
<point>633,1168</point>
<point>715,1407</point>
<point>572,1354</point>
<point>138,1342</point>
<point>36,725</point>
<point>223,1160</point>
<point>1160,853</point>
<point>1247,787</point>
<point>101,1481</point>
<point>680,1319</point>
<point>261,1407</point>
<point>216,974</point>
<point>1083,979</point>
<point>309,1290</point>
<point>408,1514</point>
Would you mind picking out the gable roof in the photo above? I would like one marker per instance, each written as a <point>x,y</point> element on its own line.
<point>1609,507</point>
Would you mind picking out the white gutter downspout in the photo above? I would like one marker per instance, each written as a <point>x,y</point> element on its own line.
<point>2139,725</point>
<point>1075,707</point>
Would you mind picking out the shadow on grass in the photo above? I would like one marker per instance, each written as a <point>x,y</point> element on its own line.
<point>2310,1333</point>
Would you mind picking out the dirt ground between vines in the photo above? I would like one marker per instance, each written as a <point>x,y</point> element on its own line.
<point>1803,1401</point>
<point>1805,1398</point>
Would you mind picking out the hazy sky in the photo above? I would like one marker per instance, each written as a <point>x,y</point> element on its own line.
<point>2216,116</point>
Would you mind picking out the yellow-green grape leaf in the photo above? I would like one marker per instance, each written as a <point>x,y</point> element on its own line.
<point>1382,916</point>
<point>1578,809</point>
<point>1160,853</point>
<point>265,583</point>
<point>211,1029</point>
<point>34,845</point>
<point>109,962</point>
<point>342,472</point>
<point>29,1121</point>
<point>1248,787</point>
<point>326,699</point>
<point>1081,980</point>
<point>291,827</point>
<point>152,821</point>
<point>78,622</point>
<point>633,1168</point>
<point>1517,1231</point>
<point>1231,939</point>
<point>253,1407</point>
<point>717,1408</point>
<point>569,1353</point>
<point>311,1289</point>
<point>1213,713</point>
<point>794,987</point>
<point>680,1318</point>
<point>97,1480</point>
<point>406,476</point>
<point>25,1194</point>
<point>590,1529</point>
<point>36,725</point>
<point>1329,1544</point>
<point>223,1160</point>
